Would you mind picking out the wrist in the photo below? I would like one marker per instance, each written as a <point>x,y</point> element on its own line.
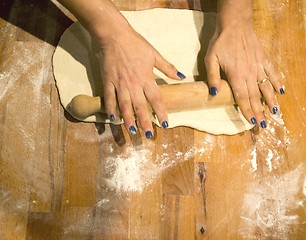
<point>101,18</point>
<point>110,29</point>
<point>234,14</point>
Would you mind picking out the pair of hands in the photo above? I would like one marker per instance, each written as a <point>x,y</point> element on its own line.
<point>127,71</point>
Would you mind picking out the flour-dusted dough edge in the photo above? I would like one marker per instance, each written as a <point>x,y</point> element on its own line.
<point>178,28</point>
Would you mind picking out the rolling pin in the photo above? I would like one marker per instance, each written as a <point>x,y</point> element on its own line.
<point>177,98</point>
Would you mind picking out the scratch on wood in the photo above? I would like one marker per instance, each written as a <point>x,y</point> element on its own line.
<point>202,177</point>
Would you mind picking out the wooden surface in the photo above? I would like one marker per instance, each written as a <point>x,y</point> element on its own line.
<point>57,175</point>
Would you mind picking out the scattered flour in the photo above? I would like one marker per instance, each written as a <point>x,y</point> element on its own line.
<point>268,159</point>
<point>272,205</point>
<point>102,202</point>
<point>135,169</point>
<point>132,170</point>
<point>271,144</point>
<point>254,160</point>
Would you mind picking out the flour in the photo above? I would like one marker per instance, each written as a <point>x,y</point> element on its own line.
<point>179,154</point>
<point>30,61</point>
<point>253,160</point>
<point>131,171</point>
<point>271,206</point>
<point>16,207</point>
<point>190,153</point>
<point>271,144</point>
<point>25,80</point>
<point>102,202</point>
<point>165,146</point>
<point>135,169</point>
<point>268,159</point>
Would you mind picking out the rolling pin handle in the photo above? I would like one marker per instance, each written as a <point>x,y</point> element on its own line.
<point>83,106</point>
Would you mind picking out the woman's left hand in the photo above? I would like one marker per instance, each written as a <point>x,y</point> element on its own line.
<point>236,49</point>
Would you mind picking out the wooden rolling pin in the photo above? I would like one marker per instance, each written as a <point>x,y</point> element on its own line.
<point>177,98</point>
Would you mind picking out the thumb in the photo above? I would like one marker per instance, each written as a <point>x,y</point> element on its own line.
<point>167,68</point>
<point>213,74</point>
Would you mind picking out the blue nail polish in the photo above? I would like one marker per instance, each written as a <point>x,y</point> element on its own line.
<point>282,91</point>
<point>213,91</point>
<point>132,130</point>
<point>253,120</point>
<point>165,124</point>
<point>111,117</point>
<point>149,134</point>
<point>180,75</point>
<point>263,124</point>
<point>274,110</point>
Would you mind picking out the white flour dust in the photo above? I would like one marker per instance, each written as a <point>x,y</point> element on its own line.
<point>271,145</point>
<point>25,77</point>
<point>135,168</point>
<point>129,170</point>
<point>132,170</point>
<point>269,159</point>
<point>272,205</point>
<point>253,160</point>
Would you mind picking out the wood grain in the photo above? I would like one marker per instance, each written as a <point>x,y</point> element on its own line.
<point>54,170</point>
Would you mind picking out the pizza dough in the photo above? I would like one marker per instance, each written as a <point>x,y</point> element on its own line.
<point>181,36</point>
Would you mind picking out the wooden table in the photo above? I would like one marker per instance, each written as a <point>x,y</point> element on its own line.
<point>57,174</point>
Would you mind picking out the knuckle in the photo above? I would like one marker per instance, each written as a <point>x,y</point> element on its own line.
<point>124,108</point>
<point>208,60</point>
<point>140,111</point>
<point>270,98</point>
<point>255,95</point>
<point>267,63</point>
<point>156,99</point>
<point>241,96</point>
<point>252,68</point>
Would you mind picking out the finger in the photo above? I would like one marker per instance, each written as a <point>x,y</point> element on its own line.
<point>240,92</point>
<point>153,96</point>
<point>255,100</point>
<point>126,110</point>
<point>267,91</point>
<point>273,76</point>
<point>167,68</point>
<point>110,100</point>
<point>141,110</point>
<point>213,74</point>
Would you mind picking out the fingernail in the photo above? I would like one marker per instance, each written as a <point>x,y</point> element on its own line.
<point>275,110</point>
<point>253,120</point>
<point>132,130</point>
<point>149,134</point>
<point>165,124</point>
<point>180,75</point>
<point>282,91</point>
<point>112,117</point>
<point>213,91</point>
<point>263,124</point>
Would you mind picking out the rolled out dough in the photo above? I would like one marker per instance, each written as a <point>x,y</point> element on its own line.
<point>181,36</point>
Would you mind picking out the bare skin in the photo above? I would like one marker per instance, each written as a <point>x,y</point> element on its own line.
<point>128,62</point>
<point>237,50</point>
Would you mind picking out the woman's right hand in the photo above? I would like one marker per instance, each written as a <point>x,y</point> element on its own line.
<point>127,64</point>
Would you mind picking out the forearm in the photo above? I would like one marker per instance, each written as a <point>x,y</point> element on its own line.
<point>234,13</point>
<point>100,17</point>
